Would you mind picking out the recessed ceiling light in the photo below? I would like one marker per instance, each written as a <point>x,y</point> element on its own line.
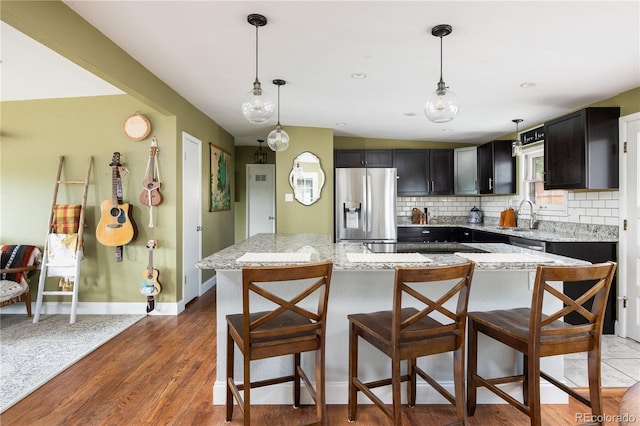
<point>527,85</point>
<point>358,75</point>
<point>341,124</point>
<point>447,130</point>
<point>409,114</point>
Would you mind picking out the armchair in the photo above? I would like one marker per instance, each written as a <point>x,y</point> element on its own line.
<point>16,263</point>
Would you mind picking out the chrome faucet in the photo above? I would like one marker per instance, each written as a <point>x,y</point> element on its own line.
<point>532,218</point>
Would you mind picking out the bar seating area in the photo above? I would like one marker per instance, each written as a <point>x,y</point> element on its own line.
<point>408,333</point>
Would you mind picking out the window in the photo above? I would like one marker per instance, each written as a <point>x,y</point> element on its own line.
<point>553,202</point>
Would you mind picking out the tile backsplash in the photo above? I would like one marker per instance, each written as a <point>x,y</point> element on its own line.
<point>593,208</point>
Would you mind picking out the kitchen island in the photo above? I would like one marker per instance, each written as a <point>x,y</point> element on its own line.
<point>365,286</point>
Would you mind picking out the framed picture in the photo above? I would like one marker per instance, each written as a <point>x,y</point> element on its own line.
<point>220,198</point>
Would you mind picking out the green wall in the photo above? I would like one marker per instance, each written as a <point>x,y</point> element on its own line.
<point>36,133</point>
<point>56,26</point>
<point>294,217</point>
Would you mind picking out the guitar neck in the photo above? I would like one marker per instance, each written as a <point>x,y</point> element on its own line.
<point>114,186</point>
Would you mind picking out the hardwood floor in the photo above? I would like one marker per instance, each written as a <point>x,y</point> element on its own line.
<point>161,372</point>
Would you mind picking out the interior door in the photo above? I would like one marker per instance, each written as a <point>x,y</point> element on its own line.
<point>261,210</point>
<point>191,216</point>
<point>629,250</point>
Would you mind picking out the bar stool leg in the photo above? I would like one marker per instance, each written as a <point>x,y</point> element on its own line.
<point>533,372</point>
<point>395,389</point>
<point>321,398</point>
<point>353,372</point>
<point>230,360</point>
<point>525,382</point>
<point>593,366</point>
<point>458,382</point>
<point>411,386</point>
<point>247,391</point>
<point>472,368</point>
<point>296,380</point>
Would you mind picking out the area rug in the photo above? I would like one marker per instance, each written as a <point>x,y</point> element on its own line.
<point>32,354</point>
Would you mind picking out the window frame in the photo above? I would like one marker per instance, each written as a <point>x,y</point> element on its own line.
<point>526,165</point>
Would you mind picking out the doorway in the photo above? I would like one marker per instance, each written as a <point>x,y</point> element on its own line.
<point>191,216</point>
<point>261,210</point>
<point>629,241</point>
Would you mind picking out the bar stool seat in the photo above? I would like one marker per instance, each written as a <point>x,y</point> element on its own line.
<point>409,332</point>
<point>290,328</point>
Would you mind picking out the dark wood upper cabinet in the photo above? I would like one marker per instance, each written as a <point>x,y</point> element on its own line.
<point>496,168</point>
<point>581,150</point>
<point>363,158</point>
<point>424,171</point>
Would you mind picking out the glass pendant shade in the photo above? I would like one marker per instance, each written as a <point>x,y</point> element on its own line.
<point>516,148</point>
<point>442,105</point>
<point>278,139</point>
<point>516,145</point>
<point>257,106</point>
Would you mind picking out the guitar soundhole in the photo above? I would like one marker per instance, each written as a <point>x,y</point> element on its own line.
<point>114,212</point>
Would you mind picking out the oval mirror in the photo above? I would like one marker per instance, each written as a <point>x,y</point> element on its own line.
<point>306,178</point>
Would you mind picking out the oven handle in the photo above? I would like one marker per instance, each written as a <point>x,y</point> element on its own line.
<point>527,246</point>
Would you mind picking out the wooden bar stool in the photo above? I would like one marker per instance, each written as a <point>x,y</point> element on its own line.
<point>289,328</point>
<point>537,335</point>
<point>407,333</point>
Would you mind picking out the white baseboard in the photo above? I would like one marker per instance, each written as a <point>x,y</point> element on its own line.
<point>106,308</point>
<point>94,308</point>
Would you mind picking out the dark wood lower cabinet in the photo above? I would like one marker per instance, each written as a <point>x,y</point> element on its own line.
<point>593,252</point>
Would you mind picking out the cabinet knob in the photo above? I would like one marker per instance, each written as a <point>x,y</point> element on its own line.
<point>426,232</point>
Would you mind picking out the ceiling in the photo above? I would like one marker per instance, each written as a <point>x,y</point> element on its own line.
<point>575,52</point>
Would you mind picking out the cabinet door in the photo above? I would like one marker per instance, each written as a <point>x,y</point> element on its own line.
<point>565,153</point>
<point>485,168</point>
<point>412,171</point>
<point>465,171</point>
<point>378,158</point>
<point>349,158</point>
<point>593,252</point>
<point>441,171</point>
<point>504,168</point>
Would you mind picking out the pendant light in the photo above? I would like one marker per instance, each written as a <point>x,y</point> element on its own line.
<point>260,156</point>
<point>516,145</point>
<point>278,139</point>
<point>442,105</point>
<point>257,106</point>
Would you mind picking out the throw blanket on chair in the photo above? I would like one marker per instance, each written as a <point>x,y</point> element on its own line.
<point>18,256</point>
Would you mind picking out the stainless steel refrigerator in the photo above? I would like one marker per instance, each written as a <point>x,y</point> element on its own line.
<point>365,204</point>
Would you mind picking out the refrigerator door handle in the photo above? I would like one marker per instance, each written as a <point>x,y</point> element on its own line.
<point>367,187</point>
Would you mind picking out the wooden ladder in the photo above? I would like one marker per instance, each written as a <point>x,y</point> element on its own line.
<point>79,246</point>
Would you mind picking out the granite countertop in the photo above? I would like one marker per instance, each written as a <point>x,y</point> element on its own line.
<point>322,249</point>
<point>558,232</point>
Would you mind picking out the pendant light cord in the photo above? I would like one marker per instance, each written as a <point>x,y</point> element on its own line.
<point>440,58</point>
<point>257,81</point>
<point>278,105</point>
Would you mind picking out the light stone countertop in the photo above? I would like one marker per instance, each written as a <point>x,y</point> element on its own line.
<point>323,249</point>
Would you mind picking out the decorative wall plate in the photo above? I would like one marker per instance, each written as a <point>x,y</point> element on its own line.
<point>137,127</point>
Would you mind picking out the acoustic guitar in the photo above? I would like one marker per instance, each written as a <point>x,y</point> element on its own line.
<point>115,228</point>
<point>150,195</point>
<point>150,285</point>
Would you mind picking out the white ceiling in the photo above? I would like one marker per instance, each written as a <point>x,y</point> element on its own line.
<point>576,53</point>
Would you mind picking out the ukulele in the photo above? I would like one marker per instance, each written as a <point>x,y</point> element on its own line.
<point>150,195</point>
<point>150,284</point>
<point>115,227</point>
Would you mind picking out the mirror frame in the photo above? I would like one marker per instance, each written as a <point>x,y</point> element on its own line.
<point>297,193</point>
